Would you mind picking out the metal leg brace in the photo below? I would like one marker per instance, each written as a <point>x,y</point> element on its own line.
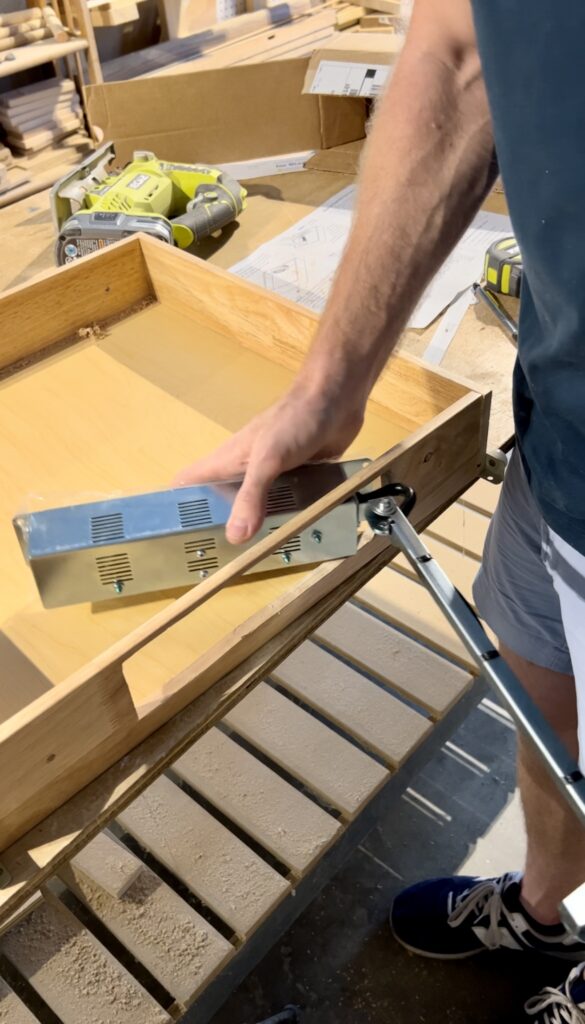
<point>385,517</point>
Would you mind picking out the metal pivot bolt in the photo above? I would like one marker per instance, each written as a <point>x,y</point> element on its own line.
<point>201,553</point>
<point>119,586</point>
<point>317,536</point>
<point>286,557</point>
<point>203,574</point>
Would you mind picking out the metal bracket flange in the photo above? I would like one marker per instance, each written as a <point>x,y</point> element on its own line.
<point>494,466</point>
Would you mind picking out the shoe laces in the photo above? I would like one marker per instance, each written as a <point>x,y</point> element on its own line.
<point>483,899</point>
<point>556,1003</point>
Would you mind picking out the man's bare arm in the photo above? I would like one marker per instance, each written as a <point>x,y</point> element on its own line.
<point>426,168</point>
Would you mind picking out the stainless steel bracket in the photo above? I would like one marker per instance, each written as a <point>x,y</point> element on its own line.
<point>495,464</point>
<point>385,517</point>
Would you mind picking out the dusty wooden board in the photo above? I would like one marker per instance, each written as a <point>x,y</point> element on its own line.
<point>360,707</point>
<point>399,599</point>
<point>43,52</point>
<point>12,1010</point>
<point>107,864</point>
<point>398,661</point>
<point>462,528</point>
<point>460,568</point>
<point>267,807</point>
<point>178,946</point>
<point>331,767</point>
<point>278,43</point>
<point>78,979</point>
<point>34,901</point>
<point>221,870</point>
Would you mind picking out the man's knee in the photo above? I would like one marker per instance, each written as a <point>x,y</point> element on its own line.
<point>553,692</point>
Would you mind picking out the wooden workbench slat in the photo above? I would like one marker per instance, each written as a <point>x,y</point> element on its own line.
<point>329,765</point>
<point>401,600</point>
<point>178,946</point>
<point>398,661</point>
<point>221,870</point>
<point>284,821</point>
<point>462,528</point>
<point>75,975</point>
<point>364,709</point>
<point>12,1011</point>
<point>460,568</point>
<point>108,864</point>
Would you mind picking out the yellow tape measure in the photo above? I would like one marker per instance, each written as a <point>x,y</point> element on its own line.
<point>503,267</point>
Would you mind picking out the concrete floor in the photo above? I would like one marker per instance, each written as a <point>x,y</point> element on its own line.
<point>339,962</point>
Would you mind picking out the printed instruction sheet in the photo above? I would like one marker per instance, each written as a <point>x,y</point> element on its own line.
<point>300,263</point>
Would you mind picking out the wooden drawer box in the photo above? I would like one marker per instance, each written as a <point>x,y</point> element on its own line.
<point>116,372</point>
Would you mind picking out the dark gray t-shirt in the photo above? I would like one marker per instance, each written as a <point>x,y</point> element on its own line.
<point>533,58</point>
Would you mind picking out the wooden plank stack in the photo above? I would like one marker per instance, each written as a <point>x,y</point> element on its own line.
<point>36,116</point>
<point>19,28</point>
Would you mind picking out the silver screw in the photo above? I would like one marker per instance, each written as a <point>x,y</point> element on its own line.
<point>286,557</point>
<point>201,553</point>
<point>203,574</point>
<point>119,586</point>
<point>317,536</point>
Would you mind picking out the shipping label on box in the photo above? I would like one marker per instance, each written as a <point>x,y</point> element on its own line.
<point>335,78</point>
<point>353,64</point>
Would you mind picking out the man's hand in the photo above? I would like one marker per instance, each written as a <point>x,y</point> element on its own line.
<point>299,428</point>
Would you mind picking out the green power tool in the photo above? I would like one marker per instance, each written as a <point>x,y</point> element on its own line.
<point>95,205</point>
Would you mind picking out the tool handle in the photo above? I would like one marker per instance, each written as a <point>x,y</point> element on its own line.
<point>212,208</point>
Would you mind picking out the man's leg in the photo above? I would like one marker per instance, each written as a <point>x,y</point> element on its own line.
<point>555,862</point>
<point>458,916</point>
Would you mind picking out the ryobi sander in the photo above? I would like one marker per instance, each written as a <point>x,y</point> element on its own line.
<point>95,205</point>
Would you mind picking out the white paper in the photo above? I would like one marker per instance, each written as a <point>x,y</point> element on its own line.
<point>462,267</point>
<point>300,263</point>
<point>447,329</point>
<point>349,78</point>
<point>268,165</point>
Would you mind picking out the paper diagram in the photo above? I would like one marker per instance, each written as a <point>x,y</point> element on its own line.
<point>300,263</point>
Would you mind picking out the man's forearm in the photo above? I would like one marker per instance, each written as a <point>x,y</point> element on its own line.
<point>426,168</point>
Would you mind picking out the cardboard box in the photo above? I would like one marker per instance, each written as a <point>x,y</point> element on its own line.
<point>353,64</point>
<point>225,114</point>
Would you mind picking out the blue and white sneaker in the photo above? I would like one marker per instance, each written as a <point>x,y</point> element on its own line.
<point>452,918</point>
<point>563,1005</point>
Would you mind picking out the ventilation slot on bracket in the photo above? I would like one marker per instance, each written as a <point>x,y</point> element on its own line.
<point>107,529</point>
<point>194,513</point>
<point>114,568</point>
<point>202,559</point>
<point>291,545</point>
<point>280,499</point>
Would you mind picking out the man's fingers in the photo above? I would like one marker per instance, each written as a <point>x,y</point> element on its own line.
<point>225,463</point>
<point>249,507</point>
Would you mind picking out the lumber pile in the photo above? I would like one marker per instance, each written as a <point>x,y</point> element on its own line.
<point>289,29</point>
<point>36,116</point>
<point>20,28</point>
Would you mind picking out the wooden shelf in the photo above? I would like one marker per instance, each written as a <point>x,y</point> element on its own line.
<point>43,52</point>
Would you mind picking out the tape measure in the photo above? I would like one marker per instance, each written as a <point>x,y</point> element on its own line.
<point>503,267</point>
